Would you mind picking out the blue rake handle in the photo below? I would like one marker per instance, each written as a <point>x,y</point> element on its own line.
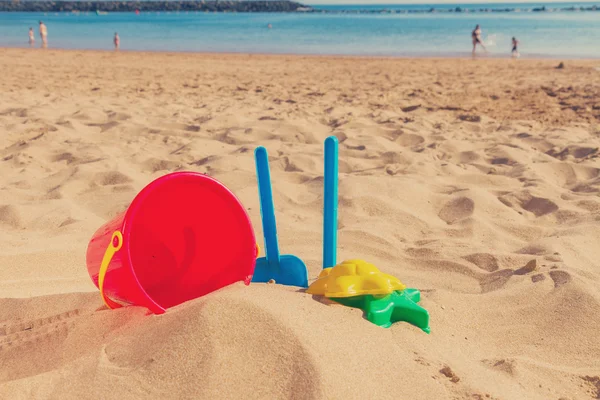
<point>267,209</point>
<point>330,205</point>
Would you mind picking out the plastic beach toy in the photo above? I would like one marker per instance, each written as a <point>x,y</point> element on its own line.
<point>330,204</point>
<point>356,283</point>
<point>384,310</point>
<point>354,278</point>
<point>383,298</point>
<point>283,269</point>
<point>183,236</point>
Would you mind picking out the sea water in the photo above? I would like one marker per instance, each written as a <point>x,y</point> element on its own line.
<point>341,30</point>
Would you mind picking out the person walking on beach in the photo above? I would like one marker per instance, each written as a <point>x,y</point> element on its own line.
<point>117,41</point>
<point>31,37</point>
<point>476,36</point>
<point>44,34</point>
<point>515,51</point>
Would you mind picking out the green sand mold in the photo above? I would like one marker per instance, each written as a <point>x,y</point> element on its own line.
<point>384,310</point>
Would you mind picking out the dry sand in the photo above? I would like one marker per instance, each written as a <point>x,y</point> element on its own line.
<point>454,174</point>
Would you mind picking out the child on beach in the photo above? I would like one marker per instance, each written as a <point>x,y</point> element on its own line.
<point>515,43</point>
<point>476,36</point>
<point>117,41</point>
<point>31,37</point>
<point>43,34</point>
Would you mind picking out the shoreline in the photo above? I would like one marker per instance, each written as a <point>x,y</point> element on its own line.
<point>406,56</point>
<point>396,36</point>
<point>275,6</point>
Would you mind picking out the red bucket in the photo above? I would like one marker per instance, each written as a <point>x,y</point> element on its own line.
<point>183,236</point>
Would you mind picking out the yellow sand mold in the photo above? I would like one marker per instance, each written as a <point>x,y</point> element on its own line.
<point>354,278</point>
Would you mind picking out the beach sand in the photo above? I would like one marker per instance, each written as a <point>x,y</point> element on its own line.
<point>454,175</point>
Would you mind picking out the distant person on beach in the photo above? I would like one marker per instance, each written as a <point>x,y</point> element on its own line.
<point>31,37</point>
<point>515,44</point>
<point>269,26</point>
<point>117,41</point>
<point>44,34</point>
<point>476,36</point>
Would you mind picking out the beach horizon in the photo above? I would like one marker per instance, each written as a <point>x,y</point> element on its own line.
<point>432,56</point>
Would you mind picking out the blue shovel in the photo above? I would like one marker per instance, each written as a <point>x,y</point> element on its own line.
<point>283,269</point>
<point>330,205</point>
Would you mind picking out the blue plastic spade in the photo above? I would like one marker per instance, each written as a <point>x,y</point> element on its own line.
<point>283,269</point>
<point>330,205</point>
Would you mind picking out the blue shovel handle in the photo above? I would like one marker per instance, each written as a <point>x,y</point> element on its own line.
<point>267,209</point>
<point>330,205</point>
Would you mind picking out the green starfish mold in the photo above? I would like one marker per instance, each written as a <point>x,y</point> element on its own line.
<point>384,310</point>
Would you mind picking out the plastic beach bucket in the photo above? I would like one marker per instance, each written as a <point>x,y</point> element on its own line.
<point>183,236</point>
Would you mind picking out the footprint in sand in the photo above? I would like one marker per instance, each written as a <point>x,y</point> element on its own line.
<point>65,123</point>
<point>66,156</point>
<point>448,373</point>
<point>538,206</point>
<point>496,280</point>
<point>15,334</point>
<point>507,366</point>
<point>584,188</point>
<point>192,128</point>
<point>67,222</point>
<point>469,118</point>
<point>205,160</point>
<point>18,112</point>
<point>89,114</point>
<point>104,126</point>
<point>53,194</point>
<point>594,383</point>
<point>457,210</point>
<point>536,249</point>
<point>410,140</point>
<point>466,157</point>
<point>422,253</point>
<point>589,205</point>
<point>111,178</point>
<point>560,277</point>
<point>235,137</point>
<point>582,152</point>
<point>538,278</point>
<point>577,152</point>
<point>117,116</point>
<point>353,144</point>
<point>484,261</point>
<point>394,169</point>
<point>531,266</point>
<point>522,135</point>
<point>502,161</point>
<point>154,165</point>
<point>289,166</point>
<point>9,216</point>
<point>394,157</point>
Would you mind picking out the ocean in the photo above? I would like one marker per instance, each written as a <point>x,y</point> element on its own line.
<point>339,30</point>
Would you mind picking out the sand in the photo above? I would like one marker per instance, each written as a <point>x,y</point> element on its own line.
<point>454,176</point>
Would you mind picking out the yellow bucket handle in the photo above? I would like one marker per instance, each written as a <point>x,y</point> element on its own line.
<point>112,248</point>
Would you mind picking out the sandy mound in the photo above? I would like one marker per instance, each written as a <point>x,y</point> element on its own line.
<point>476,182</point>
